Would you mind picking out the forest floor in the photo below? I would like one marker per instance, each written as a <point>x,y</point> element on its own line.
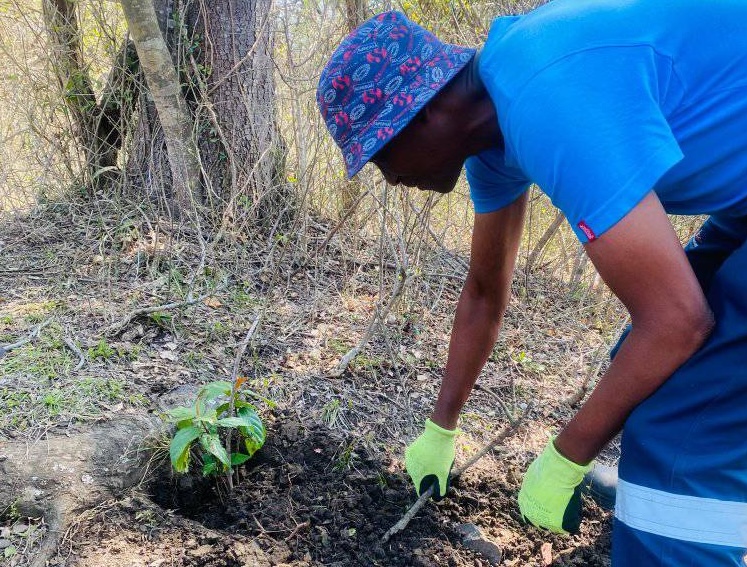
<point>330,480</point>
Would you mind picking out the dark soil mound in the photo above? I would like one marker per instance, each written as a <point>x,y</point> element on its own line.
<point>322,499</point>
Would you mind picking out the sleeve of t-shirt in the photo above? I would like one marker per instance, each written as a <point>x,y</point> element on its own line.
<point>590,131</point>
<point>492,184</point>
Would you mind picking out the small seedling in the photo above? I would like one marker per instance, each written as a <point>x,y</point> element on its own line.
<point>204,429</point>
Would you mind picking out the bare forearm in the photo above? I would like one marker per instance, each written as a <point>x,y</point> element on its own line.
<point>476,326</point>
<point>645,361</point>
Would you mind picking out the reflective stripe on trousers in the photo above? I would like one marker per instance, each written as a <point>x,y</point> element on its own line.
<point>683,517</point>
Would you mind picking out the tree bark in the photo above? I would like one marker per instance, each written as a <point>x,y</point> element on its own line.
<point>355,13</point>
<point>165,88</point>
<point>91,126</point>
<point>222,54</point>
<point>244,156</point>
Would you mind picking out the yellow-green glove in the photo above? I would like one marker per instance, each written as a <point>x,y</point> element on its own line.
<point>429,458</point>
<point>550,496</point>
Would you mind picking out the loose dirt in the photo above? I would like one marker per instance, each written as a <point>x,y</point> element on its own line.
<point>313,497</point>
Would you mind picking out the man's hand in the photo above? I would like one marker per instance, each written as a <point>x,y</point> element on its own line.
<point>550,496</point>
<point>429,458</point>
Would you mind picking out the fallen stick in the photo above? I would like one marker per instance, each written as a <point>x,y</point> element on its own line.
<point>512,427</point>
<point>69,343</point>
<point>379,315</point>
<point>5,349</point>
<point>116,328</point>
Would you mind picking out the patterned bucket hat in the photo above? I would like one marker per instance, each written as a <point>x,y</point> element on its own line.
<point>378,79</point>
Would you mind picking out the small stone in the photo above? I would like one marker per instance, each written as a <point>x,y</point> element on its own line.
<point>4,543</point>
<point>546,552</point>
<point>201,551</point>
<point>19,529</point>
<point>473,539</point>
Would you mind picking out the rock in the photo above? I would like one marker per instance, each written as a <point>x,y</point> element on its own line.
<point>546,552</point>
<point>5,543</point>
<point>201,551</point>
<point>21,528</point>
<point>473,539</point>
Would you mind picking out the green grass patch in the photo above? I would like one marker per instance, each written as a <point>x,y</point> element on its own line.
<point>45,403</point>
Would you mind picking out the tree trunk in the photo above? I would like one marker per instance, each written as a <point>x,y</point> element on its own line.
<point>245,162</point>
<point>165,89</point>
<point>95,127</point>
<point>221,51</point>
<point>355,15</point>
<point>355,12</point>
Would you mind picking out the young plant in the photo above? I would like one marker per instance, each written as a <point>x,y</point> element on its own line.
<point>210,428</point>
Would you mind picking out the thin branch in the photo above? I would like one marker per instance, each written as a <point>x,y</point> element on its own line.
<point>232,400</point>
<point>379,315</point>
<point>69,343</point>
<point>116,328</point>
<point>512,428</point>
<point>332,232</point>
<point>600,357</point>
<point>5,349</point>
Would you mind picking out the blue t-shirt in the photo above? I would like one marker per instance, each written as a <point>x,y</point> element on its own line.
<point>600,101</point>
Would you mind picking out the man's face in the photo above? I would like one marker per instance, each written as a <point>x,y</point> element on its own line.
<point>420,156</point>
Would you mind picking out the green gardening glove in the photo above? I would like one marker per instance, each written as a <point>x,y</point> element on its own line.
<point>429,458</point>
<point>550,496</point>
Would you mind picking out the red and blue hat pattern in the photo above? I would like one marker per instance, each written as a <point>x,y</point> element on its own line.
<point>378,79</point>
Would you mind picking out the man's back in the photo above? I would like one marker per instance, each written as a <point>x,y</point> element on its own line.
<point>601,101</point>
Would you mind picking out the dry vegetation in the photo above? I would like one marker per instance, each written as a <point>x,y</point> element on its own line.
<point>124,307</point>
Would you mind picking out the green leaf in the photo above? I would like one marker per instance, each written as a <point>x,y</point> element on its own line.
<point>253,431</point>
<point>232,422</point>
<point>180,445</point>
<point>237,404</point>
<point>252,445</point>
<point>180,414</point>
<point>253,424</point>
<point>254,394</point>
<point>209,464</point>
<point>208,417</point>
<point>211,443</point>
<point>213,390</point>
<point>239,458</point>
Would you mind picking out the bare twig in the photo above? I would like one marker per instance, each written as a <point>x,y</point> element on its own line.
<point>598,361</point>
<point>116,328</point>
<point>379,315</point>
<point>5,349</point>
<point>420,502</point>
<point>332,232</point>
<point>544,239</point>
<point>69,343</point>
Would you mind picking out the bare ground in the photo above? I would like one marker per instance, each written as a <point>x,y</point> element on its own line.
<point>329,481</point>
